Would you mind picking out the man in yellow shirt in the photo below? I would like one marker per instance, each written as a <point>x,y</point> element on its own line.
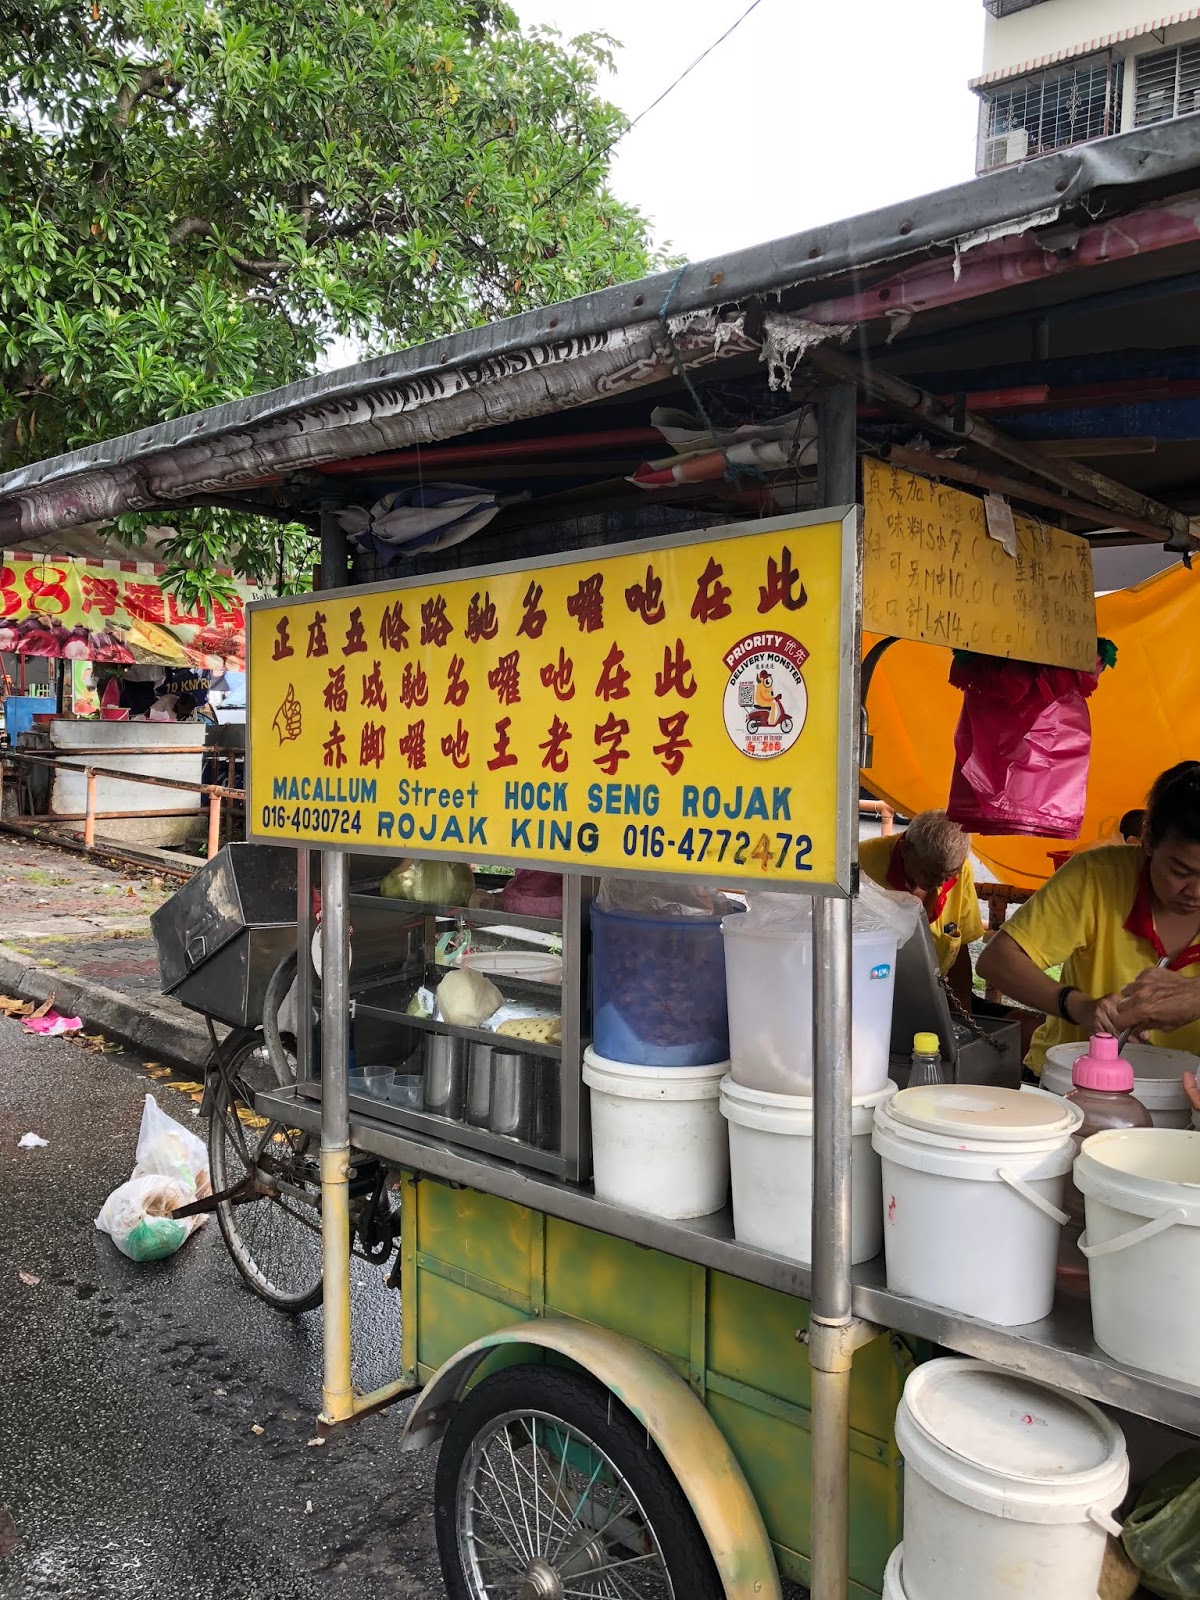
<point>1107,916</point>
<point>931,859</point>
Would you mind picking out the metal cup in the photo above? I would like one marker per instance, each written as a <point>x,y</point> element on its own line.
<point>479,1085</point>
<point>513,1109</point>
<point>446,1075</point>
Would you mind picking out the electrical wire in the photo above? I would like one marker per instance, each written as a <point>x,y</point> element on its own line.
<point>599,155</point>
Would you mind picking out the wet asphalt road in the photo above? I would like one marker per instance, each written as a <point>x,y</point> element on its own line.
<point>128,1393</point>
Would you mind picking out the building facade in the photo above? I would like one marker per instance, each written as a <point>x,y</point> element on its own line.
<point>1058,73</point>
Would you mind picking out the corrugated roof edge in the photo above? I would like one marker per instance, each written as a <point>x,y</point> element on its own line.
<point>1166,153</point>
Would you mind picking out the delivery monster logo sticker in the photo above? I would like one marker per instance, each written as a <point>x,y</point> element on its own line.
<point>765,702</point>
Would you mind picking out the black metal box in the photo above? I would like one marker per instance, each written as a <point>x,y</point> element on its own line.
<point>223,934</point>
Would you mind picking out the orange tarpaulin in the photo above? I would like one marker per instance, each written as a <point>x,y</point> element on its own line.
<point>1145,717</point>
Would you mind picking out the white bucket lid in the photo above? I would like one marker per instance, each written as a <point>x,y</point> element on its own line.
<point>630,1082</point>
<point>893,1576</point>
<point>1008,1445</point>
<point>1157,1073</point>
<point>1147,1171</point>
<point>976,1111</point>
<point>792,1113</point>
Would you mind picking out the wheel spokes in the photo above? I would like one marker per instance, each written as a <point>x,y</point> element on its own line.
<point>542,1510</point>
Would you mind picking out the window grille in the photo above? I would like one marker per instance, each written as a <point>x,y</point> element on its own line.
<point>1050,110</point>
<point>1168,84</point>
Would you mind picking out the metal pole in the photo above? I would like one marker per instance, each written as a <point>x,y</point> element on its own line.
<point>335,552</point>
<point>830,1327</point>
<point>306,1068</point>
<point>214,825</point>
<point>337,1390</point>
<point>89,824</point>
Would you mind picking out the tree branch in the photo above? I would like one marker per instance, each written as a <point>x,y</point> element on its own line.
<point>186,227</point>
<point>149,78</point>
<point>201,227</point>
<point>147,81</point>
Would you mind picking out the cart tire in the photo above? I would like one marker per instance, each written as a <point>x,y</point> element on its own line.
<point>275,1242</point>
<point>512,1505</point>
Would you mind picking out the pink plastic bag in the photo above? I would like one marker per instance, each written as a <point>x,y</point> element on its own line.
<point>1021,748</point>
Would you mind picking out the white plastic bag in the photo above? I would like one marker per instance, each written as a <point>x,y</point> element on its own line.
<point>167,1149</point>
<point>876,910</point>
<point>665,898</point>
<point>137,1216</point>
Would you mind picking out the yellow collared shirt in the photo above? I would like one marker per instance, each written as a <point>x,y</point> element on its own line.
<point>1093,917</point>
<point>957,920</point>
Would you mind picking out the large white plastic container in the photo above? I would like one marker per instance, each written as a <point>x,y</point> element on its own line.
<point>658,1138</point>
<point>143,741</point>
<point>1009,1486</point>
<point>1157,1078</point>
<point>771,1171</point>
<point>893,1576</point>
<point>769,984</point>
<point>972,1190</point>
<point>1141,1191</point>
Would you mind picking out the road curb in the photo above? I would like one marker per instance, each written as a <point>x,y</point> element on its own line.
<point>149,1023</point>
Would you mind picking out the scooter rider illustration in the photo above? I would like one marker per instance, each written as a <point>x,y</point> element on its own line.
<point>768,710</point>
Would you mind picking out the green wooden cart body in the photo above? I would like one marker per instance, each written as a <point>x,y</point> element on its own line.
<point>473,1263</point>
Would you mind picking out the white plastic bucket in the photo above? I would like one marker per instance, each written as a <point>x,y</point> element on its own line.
<point>771,1171</point>
<point>972,1190</point>
<point>658,1139</point>
<point>1157,1078</point>
<point>893,1576</point>
<point>769,982</point>
<point>1009,1485</point>
<point>1141,1189</point>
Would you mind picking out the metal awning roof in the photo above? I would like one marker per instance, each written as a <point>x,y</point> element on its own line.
<point>906,276</point>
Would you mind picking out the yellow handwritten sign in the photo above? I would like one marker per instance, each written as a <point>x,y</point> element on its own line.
<point>932,572</point>
<point>685,709</point>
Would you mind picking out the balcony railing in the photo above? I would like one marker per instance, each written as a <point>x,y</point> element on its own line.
<point>1005,8</point>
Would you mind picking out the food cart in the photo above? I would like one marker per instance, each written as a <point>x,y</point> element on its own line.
<point>701,1416</point>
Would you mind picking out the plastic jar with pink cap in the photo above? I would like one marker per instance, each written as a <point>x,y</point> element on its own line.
<point>1102,1088</point>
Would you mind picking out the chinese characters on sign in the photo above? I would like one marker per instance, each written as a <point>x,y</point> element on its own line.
<point>677,710</point>
<point>932,572</point>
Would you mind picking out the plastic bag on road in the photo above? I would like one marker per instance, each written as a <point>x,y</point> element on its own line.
<point>171,1171</point>
<point>137,1217</point>
<point>167,1149</point>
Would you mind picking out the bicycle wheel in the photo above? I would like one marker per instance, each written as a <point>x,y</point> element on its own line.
<point>275,1236</point>
<point>547,1488</point>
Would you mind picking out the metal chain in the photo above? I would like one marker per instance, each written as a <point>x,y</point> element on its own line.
<point>964,1016</point>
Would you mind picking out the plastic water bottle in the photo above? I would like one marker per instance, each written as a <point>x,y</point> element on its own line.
<point>926,1061</point>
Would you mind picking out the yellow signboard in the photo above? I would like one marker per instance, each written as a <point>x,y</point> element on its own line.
<point>685,709</point>
<point>933,572</point>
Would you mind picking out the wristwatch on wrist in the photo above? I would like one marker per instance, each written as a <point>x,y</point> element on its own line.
<point>1064,997</point>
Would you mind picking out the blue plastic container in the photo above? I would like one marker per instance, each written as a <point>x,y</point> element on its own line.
<point>19,712</point>
<point>658,990</point>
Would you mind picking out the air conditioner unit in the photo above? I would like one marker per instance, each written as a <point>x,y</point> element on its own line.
<point>1006,149</point>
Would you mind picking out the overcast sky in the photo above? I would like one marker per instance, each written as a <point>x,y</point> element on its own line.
<point>809,112</point>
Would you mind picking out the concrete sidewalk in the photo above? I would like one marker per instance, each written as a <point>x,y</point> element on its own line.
<point>78,928</point>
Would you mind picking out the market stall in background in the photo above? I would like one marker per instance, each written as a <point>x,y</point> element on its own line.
<point>103,668</point>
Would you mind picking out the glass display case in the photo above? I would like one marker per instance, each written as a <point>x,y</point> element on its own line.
<point>509,1083</point>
